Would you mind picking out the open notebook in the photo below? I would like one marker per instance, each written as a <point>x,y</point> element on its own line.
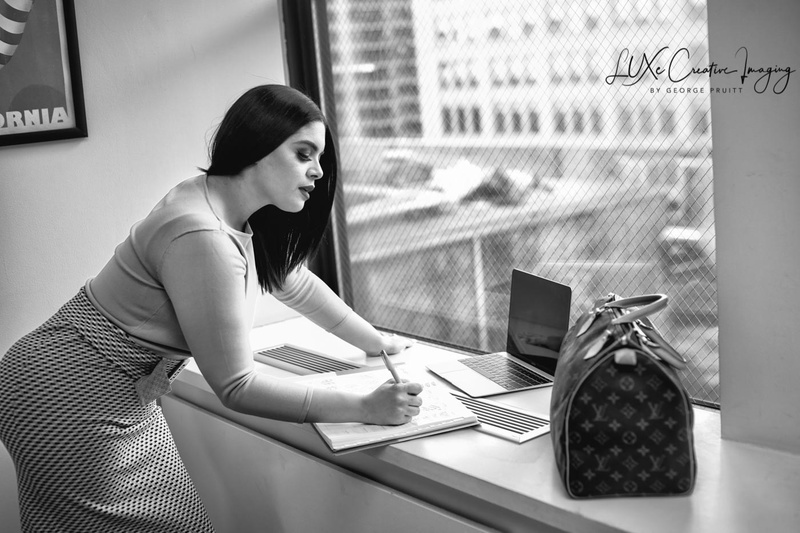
<point>440,410</point>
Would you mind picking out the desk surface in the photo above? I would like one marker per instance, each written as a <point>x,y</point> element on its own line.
<point>740,488</point>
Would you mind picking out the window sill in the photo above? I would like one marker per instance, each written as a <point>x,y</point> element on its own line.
<point>740,487</point>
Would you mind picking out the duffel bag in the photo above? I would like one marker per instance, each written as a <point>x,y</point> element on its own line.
<point>621,421</point>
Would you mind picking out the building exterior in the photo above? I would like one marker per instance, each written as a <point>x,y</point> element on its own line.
<point>375,68</point>
<point>482,136</point>
<point>538,69</point>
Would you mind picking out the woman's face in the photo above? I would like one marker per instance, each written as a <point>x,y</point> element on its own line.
<point>286,176</point>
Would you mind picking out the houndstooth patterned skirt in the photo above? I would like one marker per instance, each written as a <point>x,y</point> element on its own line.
<point>90,445</point>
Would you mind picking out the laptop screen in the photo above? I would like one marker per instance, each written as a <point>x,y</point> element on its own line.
<point>538,319</point>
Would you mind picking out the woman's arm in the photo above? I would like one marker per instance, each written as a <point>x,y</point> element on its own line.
<point>204,276</point>
<point>304,292</point>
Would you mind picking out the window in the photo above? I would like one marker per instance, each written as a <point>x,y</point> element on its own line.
<point>561,122</point>
<point>667,121</point>
<point>476,120</point>
<point>528,28</point>
<point>625,120</point>
<point>597,121</point>
<point>499,122</point>
<point>533,122</point>
<point>577,125</point>
<point>645,120</point>
<point>516,122</point>
<point>447,120</point>
<point>462,120</point>
<point>605,187</point>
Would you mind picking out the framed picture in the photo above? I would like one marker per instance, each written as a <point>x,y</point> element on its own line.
<point>41,94</point>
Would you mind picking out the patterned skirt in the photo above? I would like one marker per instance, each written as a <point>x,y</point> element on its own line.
<point>90,445</point>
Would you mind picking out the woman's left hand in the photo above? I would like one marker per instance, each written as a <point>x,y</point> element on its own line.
<point>393,344</point>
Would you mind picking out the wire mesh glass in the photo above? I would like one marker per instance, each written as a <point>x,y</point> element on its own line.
<point>477,137</point>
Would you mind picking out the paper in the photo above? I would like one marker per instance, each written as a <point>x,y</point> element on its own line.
<point>440,411</point>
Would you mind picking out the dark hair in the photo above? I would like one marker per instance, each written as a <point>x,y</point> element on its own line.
<point>255,125</point>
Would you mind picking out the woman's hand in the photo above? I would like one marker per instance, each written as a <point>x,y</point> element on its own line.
<point>392,344</point>
<point>393,403</point>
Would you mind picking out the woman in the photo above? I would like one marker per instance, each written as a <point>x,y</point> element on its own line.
<point>77,395</point>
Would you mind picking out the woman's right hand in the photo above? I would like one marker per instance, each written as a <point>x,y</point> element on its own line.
<point>393,403</point>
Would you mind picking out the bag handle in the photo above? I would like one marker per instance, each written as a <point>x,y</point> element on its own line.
<point>648,304</point>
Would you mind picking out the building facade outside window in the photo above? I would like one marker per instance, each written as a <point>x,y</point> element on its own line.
<point>525,152</point>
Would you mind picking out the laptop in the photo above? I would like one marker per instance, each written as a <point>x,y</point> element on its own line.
<point>538,320</point>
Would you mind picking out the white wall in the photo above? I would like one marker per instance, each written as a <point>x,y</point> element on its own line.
<point>157,78</point>
<point>756,143</point>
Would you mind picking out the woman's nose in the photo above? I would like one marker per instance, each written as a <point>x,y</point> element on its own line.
<point>315,172</point>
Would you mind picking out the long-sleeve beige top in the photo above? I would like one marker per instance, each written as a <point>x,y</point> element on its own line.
<point>184,283</point>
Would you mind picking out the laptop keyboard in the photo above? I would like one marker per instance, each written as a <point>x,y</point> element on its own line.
<point>504,371</point>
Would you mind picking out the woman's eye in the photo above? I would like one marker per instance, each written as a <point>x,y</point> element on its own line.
<point>304,156</point>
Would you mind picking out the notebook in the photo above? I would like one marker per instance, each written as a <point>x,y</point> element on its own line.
<point>538,320</point>
<point>440,411</point>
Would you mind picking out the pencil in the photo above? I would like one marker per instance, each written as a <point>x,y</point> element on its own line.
<point>390,366</point>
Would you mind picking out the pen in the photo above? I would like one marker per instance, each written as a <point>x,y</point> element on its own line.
<point>390,366</point>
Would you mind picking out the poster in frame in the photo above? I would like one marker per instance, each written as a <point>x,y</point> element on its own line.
<point>41,93</point>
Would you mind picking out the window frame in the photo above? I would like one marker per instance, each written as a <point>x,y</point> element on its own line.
<point>758,403</point>
<point>309,69</point>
